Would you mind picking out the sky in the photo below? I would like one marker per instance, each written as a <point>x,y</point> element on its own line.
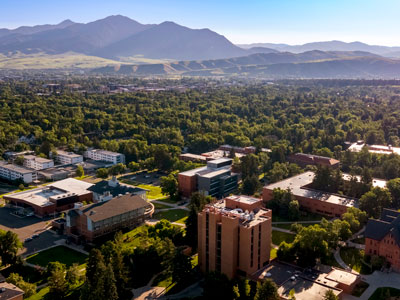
<point>241,21</point>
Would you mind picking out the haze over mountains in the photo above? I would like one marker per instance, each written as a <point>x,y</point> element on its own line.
<point>169,48</point>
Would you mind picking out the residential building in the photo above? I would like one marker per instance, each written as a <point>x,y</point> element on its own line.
<point>193,157</point>
<point>11,155</point>
<point>68,158</point>
<point>90,222</point>
<point>105,190</point>
<point>54,174</point>
<point>382,237</point>
<point>37,163</point>
<point>303,160</point>
<point>56,197</point>
<point>234,236</point>
<point>243,150</point>
<point>9,291</point>
<point>216,179</point>
<point>98,154</point>
<point>14,172</point>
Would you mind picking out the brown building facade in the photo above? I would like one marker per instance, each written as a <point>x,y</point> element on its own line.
<point>382,237</point>
<point>232,239</point>
<point>303,160</point>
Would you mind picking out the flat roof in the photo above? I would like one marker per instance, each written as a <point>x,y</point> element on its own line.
<point>106,152</point>
<point>305,289</point>
<point>342,276</point>
<point>41,195</point>
<point>377,149</point>
<point>296,185</point>
<point>68,154</point>
<point>214,172</point>
<point>220,160</point>
<point>244,199</point>
<point>37,158</point>
<point>16,168</point>
<point>194,156</point>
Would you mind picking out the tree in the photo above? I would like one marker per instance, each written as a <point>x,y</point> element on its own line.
<point>28,288</point>
<point>249,165</point>
<point>19,160</point>
<point>242,290</point>
<point>95,276</point>
<point>57,283</point>
<point>394,189</point>
<point>79,171</point>
<point>217,286</point>
<point>102,173</point>
<point>330,295</point>
<point>73,275</point>
<point>134,166</point>
<point>9,247</point>
<point>181,266</point>
<point>169,185</point>
<point>267,291</point>
<point>374,201</point>
<point>294,210</point>
<point>250,185</point>
<point>117,169</point>
<point>280,201</point>
<point>110,288</point>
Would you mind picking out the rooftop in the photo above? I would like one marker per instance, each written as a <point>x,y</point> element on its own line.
<point>116,206</point>
<point>68,154</point>
<point>41,196</point>
<point>16,168</point>
<point>105,152</point>
<point>297,186</point>
<point>116,189</point>
<point>244,199</point>
<point>9,291</point>
<point>377,149</point>
<point>388,223</point>
<point>341,276</point>
<point>37,159</point>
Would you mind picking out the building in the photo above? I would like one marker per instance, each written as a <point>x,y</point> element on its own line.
<point>193,158</point>
<point>308,284</point>
<point>68,158</point>
<point>303,160</point>
<point>377,149</point>
<point>242,150</point>
<point>14,172</point>
<point>216,179</point>
<point>9,291</point>
<point>52,198</point>
<point>382,237</point>
<point>233,239</point>
<point>113,157</point>
<point>107,189</point>
<point>57,173</point>
<point>37,163</point>
<point>96,220</point>
<point>11,155</point>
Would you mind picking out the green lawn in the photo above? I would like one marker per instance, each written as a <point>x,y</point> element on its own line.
<point>62,254</point>
<point>354,257</point>
<point>360,288</point>
<point>40,295</point>
<point>160,206</point>
<point>153,193</point>
<point>173,215</point>
<point>381,293</point>
<point>278,237</point>
<point>29,274</point>
<point>132,238</point>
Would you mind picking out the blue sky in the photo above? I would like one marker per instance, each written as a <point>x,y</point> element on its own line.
<point>241,21</point>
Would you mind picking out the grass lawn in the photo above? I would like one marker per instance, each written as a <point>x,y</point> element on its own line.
<point>360,288</point>
<point>380,293</point>
<point>28,273</point>
<point>60,253</point>
<point>173,215</point>
<point>278,237</point>
<point>354,257</point>
<point>132,238</point>
<point>153,193</point>
<point>40,295</point>
<point>160,206</point>
<point>163,280</point>
<point>272,254</point>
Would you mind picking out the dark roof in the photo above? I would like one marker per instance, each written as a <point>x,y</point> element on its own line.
<point>10,291</point>
<point>389,223</point>
<point>121,189</point>
<point>314,159</point>
<point>114,207</point>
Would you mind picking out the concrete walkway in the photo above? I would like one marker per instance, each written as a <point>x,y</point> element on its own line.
<point>340,261</point>
<point>282,230</point>
<point>148,292</point>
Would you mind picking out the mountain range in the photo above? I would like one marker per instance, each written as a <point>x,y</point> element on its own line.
<point>118,44</point>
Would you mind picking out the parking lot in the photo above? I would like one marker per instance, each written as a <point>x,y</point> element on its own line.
<point>27,227</point>
<point>145,177</point>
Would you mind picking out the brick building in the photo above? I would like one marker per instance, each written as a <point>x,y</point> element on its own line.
<point>216,179</point>
<point>96,220</point>
<point>234,236</point>
<point>303,160</point>
<point>382,237</point>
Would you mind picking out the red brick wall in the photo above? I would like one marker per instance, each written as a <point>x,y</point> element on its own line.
<point>187,184</point>
<point>386,248</point>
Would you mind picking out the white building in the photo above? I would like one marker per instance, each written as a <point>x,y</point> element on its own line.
<point>14,172</point>
<point>68,158</point>
<point>97,154</point>
<point>37,163</point>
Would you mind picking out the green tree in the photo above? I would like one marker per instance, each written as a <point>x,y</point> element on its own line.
<point>73,275</point>
<point>79,171</point>
<point>57,283</point>
<point>134,166</point>
<point>267,291</point>
<point>169,185</point>
<point>330,295</point>
<point>109,284</point>
<point>102,173</point>
<point>217,286</point>
<point>294,210</point>
<point>95,273</point>
<point>9,247</point>
<point>250,185</point>
<point>181,266</point>
<point>28,288</point>
<point>249,165</point>
<point>117,169</point>
<point>19,160</point>
<point>394,189</point>
<point>374,201</point>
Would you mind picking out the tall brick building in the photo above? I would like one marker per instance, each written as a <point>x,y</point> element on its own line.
<point>382,237</point>
<point>234,236</point>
